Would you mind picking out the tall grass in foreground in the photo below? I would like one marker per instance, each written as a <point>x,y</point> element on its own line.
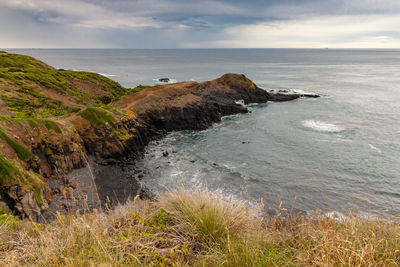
<point>197,228</point>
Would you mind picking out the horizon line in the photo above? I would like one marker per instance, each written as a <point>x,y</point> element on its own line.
<point>199,48</point>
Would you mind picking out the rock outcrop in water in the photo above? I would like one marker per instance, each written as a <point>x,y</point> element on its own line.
<point>68,137</point>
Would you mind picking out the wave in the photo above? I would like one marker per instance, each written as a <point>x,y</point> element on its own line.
<point>321,126</point>
<point>292,91</point>
<point>375,148</point>
<point>298,91</point>
<point>336,215</point>
<point>240,102</point>
<point>340,217</point>
<point>107,75</point>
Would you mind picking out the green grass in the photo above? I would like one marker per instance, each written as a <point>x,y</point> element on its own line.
<point>248,80</point>
<point>2,211</point>
<point>97,116</point>
<point>9,173</point>
<point>20,150</point>
<point>19,62</point>
<point>31,103</point>
<point>27,75</point>
<point>114,88</point>
<point>51,125</point>
<point>32,122</point>
<point>36,193</point>
<point>142,87</point>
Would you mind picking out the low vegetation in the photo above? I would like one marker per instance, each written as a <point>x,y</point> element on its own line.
<point>51,125</point>
<point>19,149</point>
<point>11,174</point>
<point>142,87</point>
<point>97,116</point>
<point>186,228</point>
<point>24,81</point>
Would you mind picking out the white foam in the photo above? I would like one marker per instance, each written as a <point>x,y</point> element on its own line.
<point>340,217</point>
<point>337,216</point>
<point>107,75</point>
<point>321,126</point>
<point>375,148</point>
<point>170,81</point>
<point>292,91</point>
<point>301,92</point>
<point>240,102</point>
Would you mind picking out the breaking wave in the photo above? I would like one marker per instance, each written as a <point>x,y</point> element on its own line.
<point>321,126</point>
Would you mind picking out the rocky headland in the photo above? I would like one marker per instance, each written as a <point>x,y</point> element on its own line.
<point>68,138</point>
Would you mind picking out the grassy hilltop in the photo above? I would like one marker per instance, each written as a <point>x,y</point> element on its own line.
<point>30,88</point>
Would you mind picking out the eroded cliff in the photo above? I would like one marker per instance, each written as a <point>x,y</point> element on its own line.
<point>56,123</point>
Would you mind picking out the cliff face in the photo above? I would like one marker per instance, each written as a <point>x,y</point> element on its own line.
<point>73,116</point>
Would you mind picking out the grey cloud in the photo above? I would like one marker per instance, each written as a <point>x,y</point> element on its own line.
<point>174,23</point>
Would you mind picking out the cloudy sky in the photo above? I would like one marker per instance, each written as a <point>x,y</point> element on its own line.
<point>200,23</point>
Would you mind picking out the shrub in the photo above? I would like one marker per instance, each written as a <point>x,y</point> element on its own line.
<point>97,116</point>
<point>75,109</point>
<point>105,99</point>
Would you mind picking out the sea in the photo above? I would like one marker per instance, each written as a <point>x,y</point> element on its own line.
<point>329,154</point>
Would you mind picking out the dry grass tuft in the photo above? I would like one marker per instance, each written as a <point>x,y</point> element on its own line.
<point>207,217</point>
<point>197,228</point>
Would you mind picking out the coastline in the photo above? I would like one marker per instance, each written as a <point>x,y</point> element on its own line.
<point>111,124</point>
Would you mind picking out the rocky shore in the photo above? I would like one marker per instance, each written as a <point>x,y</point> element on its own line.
<point>79,157</point>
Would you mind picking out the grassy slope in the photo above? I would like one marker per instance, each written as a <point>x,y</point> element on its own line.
<point>30,91</point>
<point>30,88</point>
<point>185,228</point>
<point>33,93</point>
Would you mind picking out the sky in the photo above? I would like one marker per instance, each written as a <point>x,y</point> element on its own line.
<point>200,24</point>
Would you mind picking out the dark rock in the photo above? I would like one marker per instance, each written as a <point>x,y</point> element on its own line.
<point>164,80</point>
<point>285,95</point>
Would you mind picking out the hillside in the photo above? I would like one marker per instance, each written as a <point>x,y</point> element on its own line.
<point>67,135</point>
<point>37,141</point>
<point>30,88</point>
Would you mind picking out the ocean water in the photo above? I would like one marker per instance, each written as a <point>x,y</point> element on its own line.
<point>332,153</point>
